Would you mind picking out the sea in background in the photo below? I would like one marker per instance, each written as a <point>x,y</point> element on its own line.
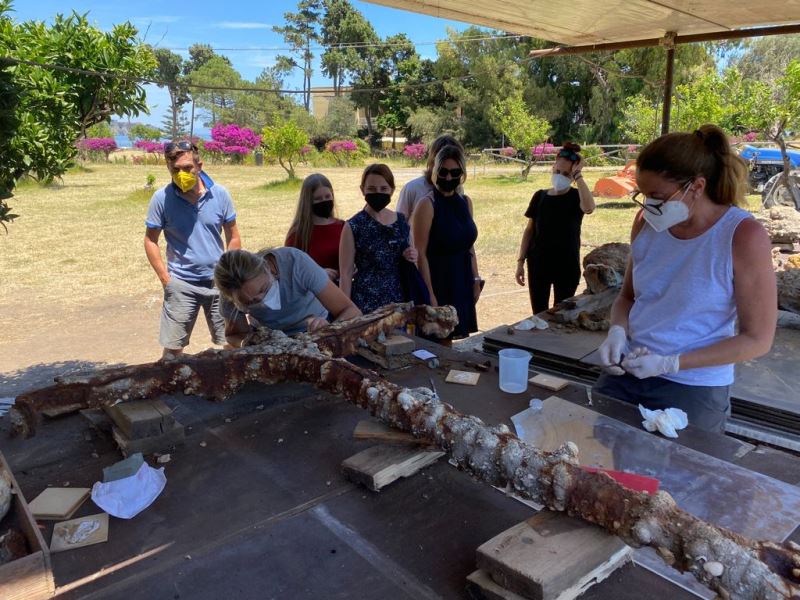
<point>123,141</point>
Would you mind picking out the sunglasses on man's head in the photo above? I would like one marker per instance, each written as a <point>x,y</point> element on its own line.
<point>185,146</point>
<point>454,173</point>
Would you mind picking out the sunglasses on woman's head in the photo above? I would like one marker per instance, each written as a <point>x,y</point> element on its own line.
<point>454,173</point>
<point>568,154</point>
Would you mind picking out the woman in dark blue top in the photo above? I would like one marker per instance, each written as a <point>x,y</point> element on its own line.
<point>444,235</point>
<point>373,244</point>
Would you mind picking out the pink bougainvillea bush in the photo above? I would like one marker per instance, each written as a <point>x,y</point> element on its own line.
<point>149,147</point>
<point>232,142</point>
<point>416,152</point>
<point>543,151</point>
<point>94,148</point>
<point>343,151</point>
<point>750,136</point>
<point>508,151</point>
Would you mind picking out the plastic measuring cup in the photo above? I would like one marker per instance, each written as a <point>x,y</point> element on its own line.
<point>514,370</point>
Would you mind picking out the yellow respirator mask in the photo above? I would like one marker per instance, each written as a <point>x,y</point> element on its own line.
<point>184,181</point>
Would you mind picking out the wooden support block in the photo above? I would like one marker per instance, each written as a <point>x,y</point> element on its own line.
<point>30,577</point>
<point>387,362</point>
<point>77,533</point>
<point>379,466</point>
<point>98,420</point>
<point>149,445</point>
<point>549,382</point>
<point>394,345</point>
<point>462,377</point>
<point>377,431</point>
<point>481,587</point>
<point>52,413</point>
<point>551,557</point>
<point>139,419</point>
<point>54,504</point>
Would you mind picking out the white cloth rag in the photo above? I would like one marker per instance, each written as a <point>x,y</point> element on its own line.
<point>127,497</point>
<point>533,322</point>
<point>667,421</point>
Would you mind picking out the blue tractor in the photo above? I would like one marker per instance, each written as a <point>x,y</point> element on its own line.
<point>766,166</point>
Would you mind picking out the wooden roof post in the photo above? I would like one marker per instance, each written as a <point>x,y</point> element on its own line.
<point>669,43</point>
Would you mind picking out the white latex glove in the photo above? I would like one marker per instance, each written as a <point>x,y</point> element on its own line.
<point>642,364</point>
<point>612,349</point>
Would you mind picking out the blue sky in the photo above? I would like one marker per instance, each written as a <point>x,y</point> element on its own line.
<point>226,24</point>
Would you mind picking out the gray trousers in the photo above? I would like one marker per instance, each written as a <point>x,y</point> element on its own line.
<point>182,303</point>
<point>707,407</point>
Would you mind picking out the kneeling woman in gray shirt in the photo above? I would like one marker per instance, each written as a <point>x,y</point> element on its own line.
<point>282,288</point>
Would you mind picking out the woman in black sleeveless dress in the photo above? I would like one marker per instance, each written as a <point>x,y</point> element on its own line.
<point>444,235</point>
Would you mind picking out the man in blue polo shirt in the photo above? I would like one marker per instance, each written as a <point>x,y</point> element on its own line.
<point>192,211</point>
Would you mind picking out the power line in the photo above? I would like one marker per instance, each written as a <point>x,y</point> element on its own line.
<point>121,77</point>
<point>346,45</point>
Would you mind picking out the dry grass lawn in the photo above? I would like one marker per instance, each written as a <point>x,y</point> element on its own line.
<point>76,251</point>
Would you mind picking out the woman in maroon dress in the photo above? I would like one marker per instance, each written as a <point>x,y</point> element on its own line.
<point>315,229</point>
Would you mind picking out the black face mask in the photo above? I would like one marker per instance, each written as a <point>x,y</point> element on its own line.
<point>447,185</point>
<point>378,201</point>
<point>322,209</point>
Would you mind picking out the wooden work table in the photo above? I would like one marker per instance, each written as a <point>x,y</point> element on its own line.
<point>263,511</point>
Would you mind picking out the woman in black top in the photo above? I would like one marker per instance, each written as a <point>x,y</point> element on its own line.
<point>552,239</point>
<point>444,235</point>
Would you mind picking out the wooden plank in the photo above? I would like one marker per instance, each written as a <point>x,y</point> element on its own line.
<point>58,411</point>
<point>549,382</point>
<point>26,579</point>
<point>30,577</point>
<point>378,466</point>
<point>387,362</point>
<point>462,377</point>
<point>68,534</point>
<point>481,587</point>
<point>394,345</point>
<point>149,445</point>
<point>551,557</point>
<point>58,503</point>
<point>377,431</point>
<point>140,419</point>
<point>567,342</point>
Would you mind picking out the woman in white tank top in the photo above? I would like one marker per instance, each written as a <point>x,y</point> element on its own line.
<point>699,292</point>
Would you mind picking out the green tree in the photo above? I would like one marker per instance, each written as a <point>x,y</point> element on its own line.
<point>641,120</point>
<point>100,130</point>
<point>765,59</point>
<point>342,27</point>
<point>300,31</point>
<point>170,71</point>
<point>44,111</point>
<point>340,121</point>
<point>284,143</point>
<point>175,126</point>
<point>426,124</point>
<point>218,73</point>
<point>200,54</point>
<point>523,129</point>
<point>729,100</point>
<point>140,131</point>
<point>783,115</point>
<point>404,68</point>
<point>478,75</point>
